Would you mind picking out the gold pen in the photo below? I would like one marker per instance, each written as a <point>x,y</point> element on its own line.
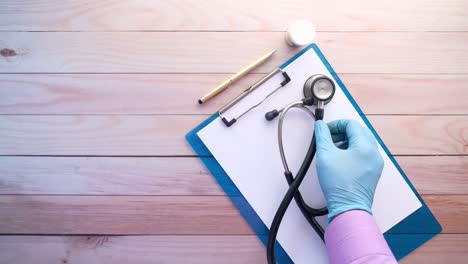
<point>235,77</point>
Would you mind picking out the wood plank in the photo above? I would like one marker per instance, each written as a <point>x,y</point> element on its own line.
<point>450,210</point>
<point>177,93</point>
<point>177,249</point>
<point>411,134</point>
<point>443,248</point>
<point>212,52</point>
<point>334,15</point>
<point>180,176</point>
<point>106,176</point>
<point>437,174</point>
<point>96,135</point>
<point>164,135</point>
<point>395,94</point>
<point>136,215</point>
<point>161,215</point>
<point>131,249</point>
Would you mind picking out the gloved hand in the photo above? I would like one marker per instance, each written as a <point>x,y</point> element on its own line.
<point>348,177</point>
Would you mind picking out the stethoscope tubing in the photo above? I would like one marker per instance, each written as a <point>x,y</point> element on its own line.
<point>300,105</point>
<point>294,183</point>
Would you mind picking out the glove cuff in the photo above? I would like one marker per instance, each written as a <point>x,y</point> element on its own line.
<point>336,210</point>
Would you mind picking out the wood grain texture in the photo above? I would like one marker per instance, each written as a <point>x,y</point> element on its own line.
<point>437,174</point>
<point>443,248</point>
<point>164,135</point>
<point>213,52</point>
<point>121,78</point>
<point>137,215</point>
<point>450,210</point>
<point>161,215</point>
<point>434,15</point>
<point>417,134</point>
<point>179,176</point>
<point>106,176</point>
<point>96,135</point>
<point>176,93</point>
<point>131,249</point>
<point>409,94</point>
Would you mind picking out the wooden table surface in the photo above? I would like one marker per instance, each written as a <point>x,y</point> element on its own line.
<point>96,97</point>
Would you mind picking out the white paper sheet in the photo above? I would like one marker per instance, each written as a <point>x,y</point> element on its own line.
<point>248,152</point>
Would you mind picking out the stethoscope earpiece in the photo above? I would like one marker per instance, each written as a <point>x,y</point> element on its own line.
<point>272,114</point>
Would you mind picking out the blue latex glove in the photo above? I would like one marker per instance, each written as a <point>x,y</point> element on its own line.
<point>348,177</point>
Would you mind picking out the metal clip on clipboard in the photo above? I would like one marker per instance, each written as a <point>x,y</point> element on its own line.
<point>229,123</point>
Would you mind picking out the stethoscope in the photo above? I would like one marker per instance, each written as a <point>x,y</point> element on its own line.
<point>318,91</point>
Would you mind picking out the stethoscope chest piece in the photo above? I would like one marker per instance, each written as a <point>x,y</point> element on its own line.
<point>319,87</point>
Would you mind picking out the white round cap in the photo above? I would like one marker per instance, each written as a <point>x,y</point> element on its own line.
<point>300,33</point>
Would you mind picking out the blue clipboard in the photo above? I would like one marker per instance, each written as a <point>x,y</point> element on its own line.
<point>403,238</point>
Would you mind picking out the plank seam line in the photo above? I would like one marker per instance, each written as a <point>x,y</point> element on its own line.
<point>175,195</point>
<point>339,73</point>
<point>181,195</point>
<point>228,31</point>
<point>188,156</point>
<point>224,73</point>
<point>170,235</point>
<point>204,114</point>
<point>133,114</point>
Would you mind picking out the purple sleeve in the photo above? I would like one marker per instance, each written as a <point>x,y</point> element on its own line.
<point>354,237</point>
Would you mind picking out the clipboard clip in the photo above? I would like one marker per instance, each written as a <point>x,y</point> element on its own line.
<point>249,90</point>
